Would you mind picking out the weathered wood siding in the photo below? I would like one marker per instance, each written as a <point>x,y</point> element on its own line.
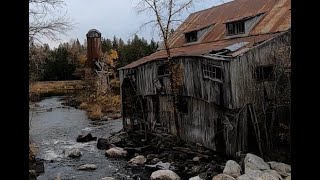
<point>199,125</point>
<point>244,88</point>
<point>194,84</point>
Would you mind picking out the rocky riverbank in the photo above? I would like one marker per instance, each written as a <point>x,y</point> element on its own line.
<point>163,156</point>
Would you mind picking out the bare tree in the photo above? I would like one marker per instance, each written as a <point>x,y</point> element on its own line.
<point>44,20</point>
<point>166,14</point>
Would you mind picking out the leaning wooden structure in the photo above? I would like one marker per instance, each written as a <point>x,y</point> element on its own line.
<point>229,56</point>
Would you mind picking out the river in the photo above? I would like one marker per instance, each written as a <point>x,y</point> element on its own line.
<point>55,127</point>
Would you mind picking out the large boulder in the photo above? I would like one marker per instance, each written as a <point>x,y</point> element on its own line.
<point>288,178</point>
<point>116,152</point>
<point>223,177</point>
<point>253,162</point>
<point>269,175</point>
<point>164,175</point>
<point>103,144</point>
<point>232,168</point>
<point>137,161</point>
<point>244,177</point>
<point>251,175</point>
<point>86,138</point>
<point>73,153</point>
<point>282,168</point>
<point>274,173</point>
<point>87,167</point>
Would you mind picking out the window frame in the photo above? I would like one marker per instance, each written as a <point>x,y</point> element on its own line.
<point>259,73</point>
<point>238,28</point>
<point>211,71</point>
<point>166,70</point>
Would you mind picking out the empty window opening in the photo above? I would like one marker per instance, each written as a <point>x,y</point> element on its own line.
<point>212,72</point>
<point>234,28</point>
<point>163,70</point>
<point>264,73</point>
<point>195,36</point>
<point>192,36</point>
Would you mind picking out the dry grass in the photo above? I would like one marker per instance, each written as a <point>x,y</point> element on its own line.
<point>83,106</point>
<point>54,86</point>
<point>94,112</point>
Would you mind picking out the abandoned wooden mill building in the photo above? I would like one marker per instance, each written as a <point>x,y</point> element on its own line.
<point>231,62</point>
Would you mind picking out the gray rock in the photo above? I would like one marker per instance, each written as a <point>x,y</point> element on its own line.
<point>87,167</point>
<point>282,168</point>
<point>115,140</point>
<point>244,177</point>
<point>137,161</point>
<point>251,175</point>
<point>268,176</point>
<point>253,162</point>
<point>196,159</point>
<point>164,175</point>
<point>223,177</point>
<point>274,173</point>
<point>232,168</point>
<point>116,152</point>
<point>73,153</point>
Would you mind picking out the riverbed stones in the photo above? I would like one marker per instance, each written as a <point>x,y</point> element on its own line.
<point>73,153</point>
<point>103,144</point>
<point>116,152</point>
<point>253,162</point>
<point>137,161</point>
<point>86,138</point>
<point>164,175</point>
<point>87,167</point>
<point>269,175</point>
<point>223,177</point>
<point>232,168</point>
<point>282,168</point>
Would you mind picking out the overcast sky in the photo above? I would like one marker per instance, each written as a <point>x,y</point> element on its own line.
<point>113,17</point>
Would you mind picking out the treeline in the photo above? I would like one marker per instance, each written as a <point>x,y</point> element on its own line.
<point>46,64</point>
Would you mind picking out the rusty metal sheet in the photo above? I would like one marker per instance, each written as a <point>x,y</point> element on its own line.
<point>276,19</point>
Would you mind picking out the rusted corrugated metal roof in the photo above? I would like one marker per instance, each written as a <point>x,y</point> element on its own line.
<point>276,17</point>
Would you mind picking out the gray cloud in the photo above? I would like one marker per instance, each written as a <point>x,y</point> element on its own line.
<point>112,17</point>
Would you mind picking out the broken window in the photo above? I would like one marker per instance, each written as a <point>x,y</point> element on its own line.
<point>264,73</point>
<point>182,105</point>
<point>163,70</point>
<point>194,36</point>
<point>234,28</point>
<point>212,72</point>
<point>191,36</point>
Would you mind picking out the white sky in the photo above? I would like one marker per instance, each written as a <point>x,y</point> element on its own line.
<point>113,17</point>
